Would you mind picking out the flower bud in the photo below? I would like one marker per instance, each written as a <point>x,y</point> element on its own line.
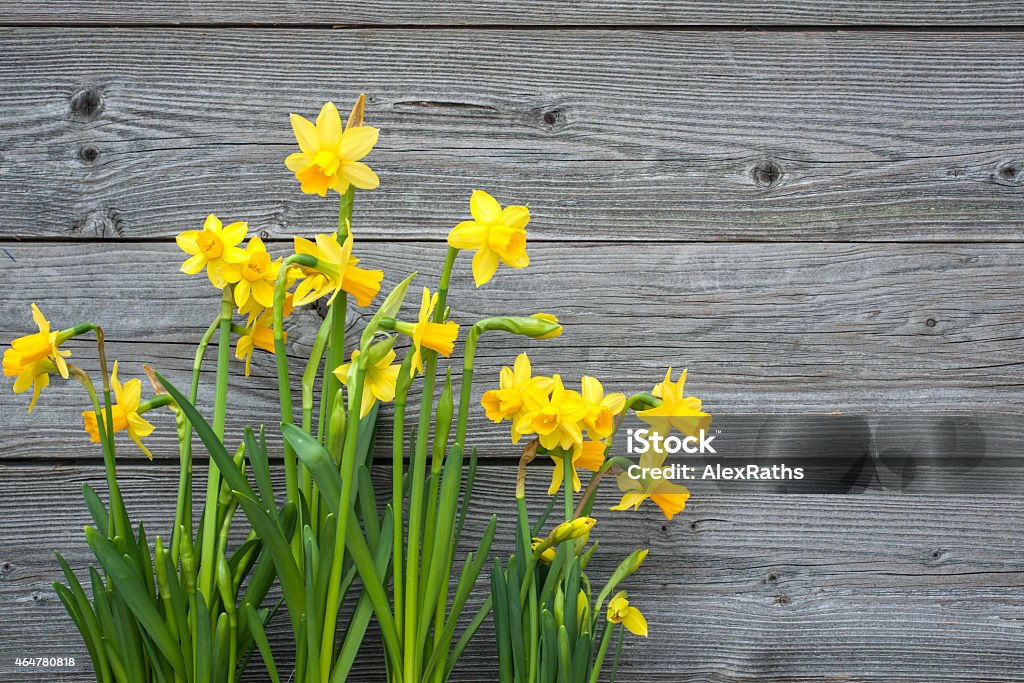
<point>547,556</point>
<point>443,423</point>
<point>188,562</point>
<point>533,326</point>
<point>336,427</point>
<point>576,528</point>
<point>225,586</point>
<point>226,496</point>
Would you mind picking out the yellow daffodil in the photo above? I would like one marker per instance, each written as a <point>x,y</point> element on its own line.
<point>212,248</point>
<point>330,158</point>
<point>33,357</point>
<point>621,612</point>
<point>496,234</point>
<point>378,382</point>
<point>556,418</point>
<point>588,455</point>
<point>667,495</point>
<point>254,277</point>
<point>259,334</point>
<point>676,410</point>
<point>338,272</point>
<point>516,390</point>
<point>253,310</point>
<point>427,334</point>
<point>601,409</point>
<point>125,412</point>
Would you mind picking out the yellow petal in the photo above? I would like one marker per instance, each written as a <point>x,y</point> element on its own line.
<point>359,174</point>
<point>297,162</point>
<point>468,235</point>
<point>187,241</point>
<point>484,207</point>
<point>235,233</point>
<point>356,143</point>
<point>592,389</point>
<point>130,395</point>
<point>635,622</point>
<point>328,126</point>
<point>485,264</point>
<point>557,475</point>
<point>515,217</point>
<point>631,499</point>
<point>212,224</point>
<point>193,264</point>
<point>305,133</point>
<point>263,292</point>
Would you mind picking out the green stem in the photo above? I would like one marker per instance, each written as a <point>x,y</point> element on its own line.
<point>332,604</point>
<point>411,645</point>
<point>618,653</point>
<point>337,314</point>
<point>207,563</point>
<point>567,482</point>
<point>285,395</point>
<point>183,508</point>
<point>108,461</point>
<point>397,488</point>
<point>118,513</point>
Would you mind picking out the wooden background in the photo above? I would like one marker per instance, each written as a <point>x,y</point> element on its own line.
<point>816,207</point>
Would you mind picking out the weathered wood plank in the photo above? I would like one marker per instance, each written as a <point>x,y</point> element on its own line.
<point>614,135</point>
<point>895,588</point>
<point>897,333</point>
<point>468,12</point>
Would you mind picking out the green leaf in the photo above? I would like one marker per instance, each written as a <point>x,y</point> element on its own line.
<point>388,309</point>
<point>502,624</point>
<point>319,463</point>
<point>96,509</point>
<point>276,541</point>
<point>131,588</point>
<point>260,636</point>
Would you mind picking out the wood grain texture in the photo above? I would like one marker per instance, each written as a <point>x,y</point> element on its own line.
<point>469,12</point>
<point>898,334</point>
<point>612,135</point>
<point>781,588</point>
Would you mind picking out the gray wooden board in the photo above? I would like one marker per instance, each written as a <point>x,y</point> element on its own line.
<point>469,12</point>
<point>792,330</point>
<point>615,135</point>
<point>737,587</point>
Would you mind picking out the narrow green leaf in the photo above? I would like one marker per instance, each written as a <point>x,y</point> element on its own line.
<point>255,625</point>
<point>130,586</point>
<point>388,309</point>
<point>97,510</point>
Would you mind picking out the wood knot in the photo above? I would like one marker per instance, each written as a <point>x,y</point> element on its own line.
<point>931,322</point>
<point>87,104</point>
<point>100,223</point>
<point>935,554</point>
<point>89,154</point>
<point>264,234</point>
<point>1010,173</point>
<point>766,173</point>
<point>551,117</point>
<point>782,599</point>
<point>772,577</point>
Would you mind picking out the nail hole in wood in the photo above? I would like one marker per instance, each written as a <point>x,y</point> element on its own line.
<point>766,173</point>
<point>87,104</point>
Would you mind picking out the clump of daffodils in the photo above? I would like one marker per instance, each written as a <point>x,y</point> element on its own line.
<point>569,626</point>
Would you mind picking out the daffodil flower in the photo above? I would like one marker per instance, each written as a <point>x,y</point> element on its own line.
<point>212,248</point>
<point>496,234</point>
<point>601,409</point>
<point>33,357</point>
<point>668,496</point>
<point>330,158</point>
<point>259,334</point>
<point>378,382</point>
<point>336,271</point>
<point>557,332</point>
<point>516,390</point>
<point>677,411</point>
<point>556,418</point>
<point>588,455</point>
<point>125,411</point>
<point>621,612</point>
<point>254,277</point>
<point>427,334</point>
